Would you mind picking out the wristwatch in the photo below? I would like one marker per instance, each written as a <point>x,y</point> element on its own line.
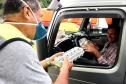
<point>48,62</point>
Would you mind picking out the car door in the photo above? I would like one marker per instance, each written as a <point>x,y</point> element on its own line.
<point>83,73</point>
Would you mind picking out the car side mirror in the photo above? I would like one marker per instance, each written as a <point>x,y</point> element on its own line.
<point>55,5</point>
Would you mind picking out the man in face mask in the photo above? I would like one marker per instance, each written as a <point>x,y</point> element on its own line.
<point>19,62</point>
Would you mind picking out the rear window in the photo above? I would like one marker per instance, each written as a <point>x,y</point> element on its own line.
<point>99,25</point>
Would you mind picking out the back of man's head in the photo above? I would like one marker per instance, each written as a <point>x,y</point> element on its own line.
<point>11,7</point>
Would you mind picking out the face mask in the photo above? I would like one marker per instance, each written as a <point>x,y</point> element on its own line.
<point>41,32</point>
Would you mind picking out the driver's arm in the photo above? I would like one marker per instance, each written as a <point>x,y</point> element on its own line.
<point>110,60</point>
<point>92,49</point>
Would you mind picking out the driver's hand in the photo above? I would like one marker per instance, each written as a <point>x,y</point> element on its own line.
<point>51,59</point>
<point>91,43</point>
<point>94,45</point>
<point>89,48</point>
<point>66,65</point>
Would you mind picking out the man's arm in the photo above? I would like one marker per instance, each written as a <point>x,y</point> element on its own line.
<point>51,59</point>
<point>64,72</point>
<point>101,59</point>
<point>110,60</point>
<point>97,53</point>
<point>92,49</point>
<point>44,64</point>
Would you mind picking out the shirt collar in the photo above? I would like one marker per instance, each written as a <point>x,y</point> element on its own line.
<point>112,44</point>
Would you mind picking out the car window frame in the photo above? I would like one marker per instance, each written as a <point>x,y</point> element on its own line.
<point>117,13</point>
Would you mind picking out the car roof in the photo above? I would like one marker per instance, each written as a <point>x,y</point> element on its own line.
<point>78,3</point>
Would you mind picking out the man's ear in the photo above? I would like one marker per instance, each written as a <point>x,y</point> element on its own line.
<point>26,12</point>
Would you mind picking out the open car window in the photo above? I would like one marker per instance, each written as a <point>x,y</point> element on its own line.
<point>72,25</point>
<point>71,34</point>
<point>67,27</point>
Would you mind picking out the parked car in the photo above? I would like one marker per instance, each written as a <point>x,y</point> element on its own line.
<point>105,13</point>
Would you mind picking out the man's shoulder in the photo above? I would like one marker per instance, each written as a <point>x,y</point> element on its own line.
<point>18,47</point>
<point>21,56</point>
<point>113,44</point>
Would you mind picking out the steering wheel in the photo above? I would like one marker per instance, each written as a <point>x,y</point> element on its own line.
<point>77,40</point>
<point>57,49</point>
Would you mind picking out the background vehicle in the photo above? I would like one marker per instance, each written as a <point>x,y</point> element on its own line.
<point>47,15</point>
<point>87,10</point>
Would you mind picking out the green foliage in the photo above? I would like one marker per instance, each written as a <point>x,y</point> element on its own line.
<point>45,3</point>
<point>1,1</point>
<point>0,12</point>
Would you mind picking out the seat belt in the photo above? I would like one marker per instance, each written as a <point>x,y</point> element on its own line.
<point>12,40</point>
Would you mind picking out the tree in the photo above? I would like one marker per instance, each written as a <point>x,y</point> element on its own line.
<point>45,3</point>
<point>1,1</point>
<point>49,1</point>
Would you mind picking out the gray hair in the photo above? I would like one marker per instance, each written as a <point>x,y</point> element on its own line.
<point>11,7</point>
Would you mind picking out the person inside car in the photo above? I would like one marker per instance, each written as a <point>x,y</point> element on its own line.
<point>108,53</point>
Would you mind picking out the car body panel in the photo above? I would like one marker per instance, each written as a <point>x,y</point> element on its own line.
<point>90,3</point>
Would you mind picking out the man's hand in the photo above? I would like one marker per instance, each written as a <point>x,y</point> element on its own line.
<point>63,77</point>
<point>89,48</point>
<point>94,44</point>
<point>66,65</point>
<point>51,59</point>
<point>92,49</point>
